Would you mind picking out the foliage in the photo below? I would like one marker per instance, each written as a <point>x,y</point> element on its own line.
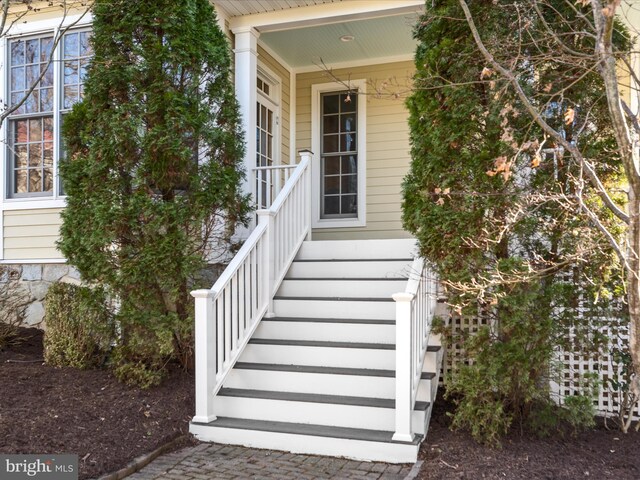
<point>80,328</point>
<point>14,301</point>
<point>152,170</point>
<point>490,198</point>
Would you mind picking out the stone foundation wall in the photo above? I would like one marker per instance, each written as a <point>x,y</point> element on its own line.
<point>33,281</point>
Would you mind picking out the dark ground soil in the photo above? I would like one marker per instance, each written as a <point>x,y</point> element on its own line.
<point>107,424</point>
<point>89,413</point>
<point>597,453</point>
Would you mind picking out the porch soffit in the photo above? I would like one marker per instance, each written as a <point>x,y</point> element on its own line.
<point>388,37</point>
<point>304,33</point>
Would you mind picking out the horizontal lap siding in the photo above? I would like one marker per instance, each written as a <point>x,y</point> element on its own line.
<point>388,147</point>
<point>272,64</point>
<point>31,234</point>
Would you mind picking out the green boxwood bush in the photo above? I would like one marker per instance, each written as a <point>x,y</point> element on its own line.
<point>79,328</point>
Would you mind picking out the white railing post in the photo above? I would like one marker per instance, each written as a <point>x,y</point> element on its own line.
<point>308,155</point>
<point>205,361</point>
<point>268,276</point>
<point>404,388</point>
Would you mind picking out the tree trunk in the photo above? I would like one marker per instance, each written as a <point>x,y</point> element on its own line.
<point>633,285</point>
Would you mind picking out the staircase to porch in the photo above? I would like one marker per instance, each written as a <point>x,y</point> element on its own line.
<point>331,356</point>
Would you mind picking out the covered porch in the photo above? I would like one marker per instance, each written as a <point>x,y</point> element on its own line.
<point>321,346</point>
<point>329,77</point>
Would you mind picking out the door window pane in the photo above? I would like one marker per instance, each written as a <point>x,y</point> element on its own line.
<point>339,155</point>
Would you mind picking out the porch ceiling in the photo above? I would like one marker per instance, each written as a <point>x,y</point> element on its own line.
<point>383,37</point>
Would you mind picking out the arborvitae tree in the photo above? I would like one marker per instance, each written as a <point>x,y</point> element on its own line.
<point>152,171</point>
<point>491,200</point>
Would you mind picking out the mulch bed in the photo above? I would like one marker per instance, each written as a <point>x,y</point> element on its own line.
<point>597,453</point>
<point>107,424</point>
<point>86,412</point>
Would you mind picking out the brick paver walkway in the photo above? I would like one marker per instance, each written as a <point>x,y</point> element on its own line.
<point>211,461</point>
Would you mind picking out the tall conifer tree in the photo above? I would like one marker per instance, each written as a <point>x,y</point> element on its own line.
<point>491,199</point>
<point>152,170</point>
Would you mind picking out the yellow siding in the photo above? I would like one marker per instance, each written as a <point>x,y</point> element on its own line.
<point>388,155</point>
<point>31,234</point>
<point>285,101</point>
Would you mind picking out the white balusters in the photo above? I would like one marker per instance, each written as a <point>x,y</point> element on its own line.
<point>228,313</point>
<point>415,308</point>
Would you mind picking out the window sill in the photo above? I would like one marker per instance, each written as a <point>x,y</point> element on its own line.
<point>339,223</point>
<point>32,203</point>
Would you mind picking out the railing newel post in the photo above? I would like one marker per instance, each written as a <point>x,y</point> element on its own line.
<point>205,355</point>
<point>307,155</point>
<point>404,380</point>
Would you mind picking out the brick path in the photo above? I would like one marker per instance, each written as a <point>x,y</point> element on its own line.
<point>212,461</point>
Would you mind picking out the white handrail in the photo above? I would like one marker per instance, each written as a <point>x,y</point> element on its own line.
<point>415,309</point>
<point>227,314</point>
<point>269,181</point>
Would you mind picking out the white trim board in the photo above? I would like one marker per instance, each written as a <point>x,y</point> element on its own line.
<point>364,62</point>
<point>325,13</point>
<point>31,261</point>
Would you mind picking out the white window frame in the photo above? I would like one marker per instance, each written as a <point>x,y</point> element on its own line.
<point>30,29</point>
<point>316,92</point>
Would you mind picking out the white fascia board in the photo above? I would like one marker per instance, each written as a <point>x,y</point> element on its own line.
<point>324,14</point>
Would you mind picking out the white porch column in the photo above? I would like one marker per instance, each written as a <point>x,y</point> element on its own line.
<point>246,65</point>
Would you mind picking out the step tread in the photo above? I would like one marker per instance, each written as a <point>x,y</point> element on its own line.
<point>365,321</point>
<point>318,343</point>
<point>310,260</point>
<point>365,372</point>
<point>317,398</point>
<point>348,279</point>
<point>336,299</point>
<point>311,430</point>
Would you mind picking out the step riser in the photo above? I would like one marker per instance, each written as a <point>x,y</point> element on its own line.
<point>310,445</point>
<point>320,356</point>
<point>342,288</point>
<point>431,363</point>
<point>331,332</point>
<point>335,309</point>
<point>334,415</point>
<point>329,357</point>
<point>372,269</point>
<point>277,381</point>
<point>358,249</point>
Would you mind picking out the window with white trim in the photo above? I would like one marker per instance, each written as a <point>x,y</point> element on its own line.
<point>339,155</point>
<point>33,129</point>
